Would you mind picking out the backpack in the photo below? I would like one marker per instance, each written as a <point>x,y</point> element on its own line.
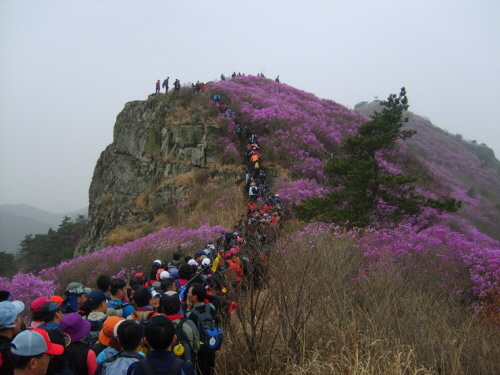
<point>210,335</point>
<point>182,347</point>
<point>175,367</point>
<point>117,364</point>
<point>118,307</point>
<point>93,336</point>
<point>137,316</point>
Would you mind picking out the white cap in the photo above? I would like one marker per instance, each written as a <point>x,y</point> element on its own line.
<point>192,262</point>
<point>164,275</point>
<point>205,262</point>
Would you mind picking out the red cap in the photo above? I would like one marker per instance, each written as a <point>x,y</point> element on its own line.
<point>52,348</point>
<point>36,305</point>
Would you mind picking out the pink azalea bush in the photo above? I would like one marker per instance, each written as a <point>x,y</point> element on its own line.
<point>298,132</point>
<point>27,287</point>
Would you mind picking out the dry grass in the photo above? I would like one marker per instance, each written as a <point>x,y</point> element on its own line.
<point>312,318</point>
<point>126,233</point>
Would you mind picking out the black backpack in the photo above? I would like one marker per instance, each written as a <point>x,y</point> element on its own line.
<point>182,347</point>
<point>93,335</point>
<point>210,335</point>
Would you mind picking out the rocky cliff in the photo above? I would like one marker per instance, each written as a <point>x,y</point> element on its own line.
<point>153,141</point>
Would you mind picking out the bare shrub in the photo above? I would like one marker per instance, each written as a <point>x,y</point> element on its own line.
<point>315,315</point>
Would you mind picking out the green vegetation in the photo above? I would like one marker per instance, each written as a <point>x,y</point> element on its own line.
<point>41,251</point>
<point>363,192</point>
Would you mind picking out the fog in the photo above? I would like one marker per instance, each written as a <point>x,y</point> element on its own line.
<point>69,67</point>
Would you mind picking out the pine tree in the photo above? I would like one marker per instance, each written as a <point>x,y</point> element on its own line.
<point>362,192</point>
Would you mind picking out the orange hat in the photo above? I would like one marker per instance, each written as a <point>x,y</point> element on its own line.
<point>57,299</point>
<point>107,331</point>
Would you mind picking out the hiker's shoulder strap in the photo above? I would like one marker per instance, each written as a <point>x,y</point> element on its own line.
<point>176,366</point>
<point>146,367</point>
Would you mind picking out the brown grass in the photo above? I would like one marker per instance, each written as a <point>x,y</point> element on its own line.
<point>312,318</point>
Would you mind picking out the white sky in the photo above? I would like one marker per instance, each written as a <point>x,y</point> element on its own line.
<point>68,67</point>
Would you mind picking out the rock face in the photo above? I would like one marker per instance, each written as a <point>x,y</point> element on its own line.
<point>145,152</point>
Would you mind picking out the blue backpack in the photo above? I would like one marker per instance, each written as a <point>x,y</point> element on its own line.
<point>210,335</point>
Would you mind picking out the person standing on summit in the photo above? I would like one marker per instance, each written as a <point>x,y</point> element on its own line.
<point>158,84</point>
<point>165,84</point>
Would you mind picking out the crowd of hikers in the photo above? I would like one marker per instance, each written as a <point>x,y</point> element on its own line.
<point>165,321</point>
<point>198,86</point>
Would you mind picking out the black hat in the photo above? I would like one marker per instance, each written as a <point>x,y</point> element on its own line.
<point>96,298</point>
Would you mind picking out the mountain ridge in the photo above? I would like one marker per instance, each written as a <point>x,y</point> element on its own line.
<point>19,220</point>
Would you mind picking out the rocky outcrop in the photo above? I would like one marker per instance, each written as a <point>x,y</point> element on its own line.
<point>146,151</point>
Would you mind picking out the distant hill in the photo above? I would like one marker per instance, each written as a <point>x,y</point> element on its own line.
<point>18,220</point>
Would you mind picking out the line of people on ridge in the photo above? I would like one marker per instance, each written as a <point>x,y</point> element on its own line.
<point>234,75</point>
<point>198,86</point>
<point>163,322</point>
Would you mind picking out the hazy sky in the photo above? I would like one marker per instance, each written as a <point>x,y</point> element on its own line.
<point>68,67</point>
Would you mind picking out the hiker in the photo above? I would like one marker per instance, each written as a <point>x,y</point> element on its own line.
<point>99,306</point>
<point>151,279</point>
<point>277,79</point>
<point>82,360</point>
<point>36,315</point>
<point>52,315</point>
<point>222,77</point>
<point>130,334</point>
<point>10,325</point>
<point>160,333</point>
<point>158,87</point>
<point>253,191</point>
<point>76,295</point>
<point>177,85</point>
<point>108,345</point>
<point>196,306</point>
<point>165,84</point>
<point>117,305</point>
<point>31,352</point>
<point>104,283</point>
<point>171,307</point>
<point>143,299</point>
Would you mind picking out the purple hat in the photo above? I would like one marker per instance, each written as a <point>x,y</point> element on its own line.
<point>75,326</point>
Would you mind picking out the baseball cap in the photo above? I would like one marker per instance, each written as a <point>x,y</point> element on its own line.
<point>37,304</point>
<point>96,298</point>
<point>50,307</point>
<point>9,310</point>
<point>205,262</point>
<point>34,342</point>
